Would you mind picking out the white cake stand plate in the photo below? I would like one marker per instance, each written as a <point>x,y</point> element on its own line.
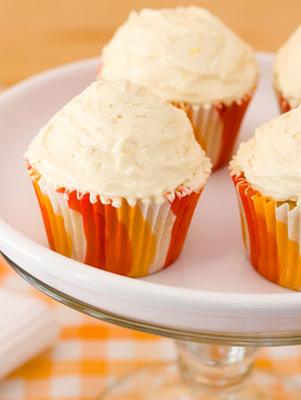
<point>210,293</point>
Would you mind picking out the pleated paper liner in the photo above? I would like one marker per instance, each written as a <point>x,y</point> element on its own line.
<point>272,234</point>
<point>131,241</point>
<point>284,104</point>
<point>216,127</point>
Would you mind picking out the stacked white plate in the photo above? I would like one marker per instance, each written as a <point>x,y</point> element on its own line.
<point>27,327</point>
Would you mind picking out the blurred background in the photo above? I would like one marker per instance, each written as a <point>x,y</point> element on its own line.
<point>36,35</point>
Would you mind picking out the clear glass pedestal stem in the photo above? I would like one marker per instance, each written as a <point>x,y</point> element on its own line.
<point>205,372</point>
<point>213,367</point>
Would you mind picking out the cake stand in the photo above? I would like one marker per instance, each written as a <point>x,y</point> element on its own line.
<point>211,300</point>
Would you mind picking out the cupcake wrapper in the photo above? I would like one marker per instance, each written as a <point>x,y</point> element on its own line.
<point>272,235</point>
<point>216,127</point>
<point>131,241</point>
<point>284,104</point>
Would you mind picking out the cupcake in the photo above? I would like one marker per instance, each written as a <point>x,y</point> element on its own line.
<point>118,173</point>
<point>287,73</point>
<point>190,58</point>
<point>267,175</point>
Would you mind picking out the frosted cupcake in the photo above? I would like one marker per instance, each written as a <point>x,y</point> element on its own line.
<point>267,175</point>
<point>118,173</point>
<point>287,72</point>
<point>191,59</point>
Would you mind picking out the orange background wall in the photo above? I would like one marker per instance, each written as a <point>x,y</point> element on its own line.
<point>36,35</point>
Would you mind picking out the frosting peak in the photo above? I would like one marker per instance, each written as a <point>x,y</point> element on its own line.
<point>182,54</point>
<point>117,140</point>
<point>271,160</point>
<point>287,69</point>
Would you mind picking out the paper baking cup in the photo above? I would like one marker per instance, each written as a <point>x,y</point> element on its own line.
<point>131,241</point>
<point>284,104</point>
<point>216,127</point>
<point>271,233</point>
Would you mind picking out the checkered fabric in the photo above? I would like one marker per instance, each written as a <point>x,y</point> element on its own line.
<point>90,354</point>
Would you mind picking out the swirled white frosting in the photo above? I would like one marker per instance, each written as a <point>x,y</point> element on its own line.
<point>118,140</point>
<point>287,69</point>
<point>271,160</point>
<point>182,54</point>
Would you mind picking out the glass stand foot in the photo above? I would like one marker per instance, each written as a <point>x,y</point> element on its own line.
<point>164,382</point>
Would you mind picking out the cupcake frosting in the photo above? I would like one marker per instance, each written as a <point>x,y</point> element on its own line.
<point>118,140</point>
<point>287,69</point>
<point>271,160</point>
<point>183,54</point>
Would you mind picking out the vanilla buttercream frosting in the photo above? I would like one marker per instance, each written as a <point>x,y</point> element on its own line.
<point>287,69</point>
<point>117,139</point>
<point>271,160</point>
<point>184,54</point>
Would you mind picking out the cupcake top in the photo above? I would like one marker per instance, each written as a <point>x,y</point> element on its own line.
<point>117,139</point>
<point>287,69</point>
<point>184,54</point>
<point>271,160</point>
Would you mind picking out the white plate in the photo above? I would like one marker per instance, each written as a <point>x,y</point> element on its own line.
<point>212,287</point>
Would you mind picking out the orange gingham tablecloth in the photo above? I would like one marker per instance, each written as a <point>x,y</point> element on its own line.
<point>90,354</point>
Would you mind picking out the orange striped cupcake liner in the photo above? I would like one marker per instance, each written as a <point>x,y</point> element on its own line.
<point>130,241</point>
<point>216,127</point>
<point>284,105</point>
<point>272,234</point>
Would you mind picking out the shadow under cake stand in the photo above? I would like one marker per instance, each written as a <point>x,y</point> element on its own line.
<point>211,300</point>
